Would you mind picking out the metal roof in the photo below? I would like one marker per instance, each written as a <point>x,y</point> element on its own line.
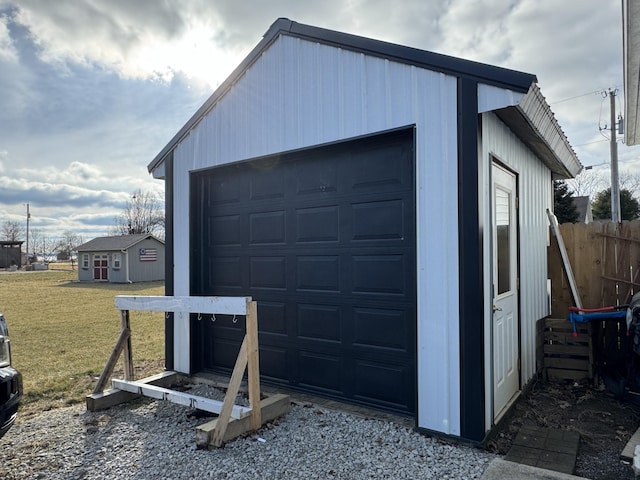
<point>117,243</point>
<point>631,65</point>
<point>488,74</point>
<point>534,123</point>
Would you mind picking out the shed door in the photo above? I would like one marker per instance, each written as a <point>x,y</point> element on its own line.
<point>506,374</point>
<point>324,240</point>
<point>100,267</point>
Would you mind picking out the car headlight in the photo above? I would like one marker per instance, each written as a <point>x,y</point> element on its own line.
<point>5,349</point>
<point>5,352</point>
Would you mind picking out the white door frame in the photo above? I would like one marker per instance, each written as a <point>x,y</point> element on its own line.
<point>505,321</point>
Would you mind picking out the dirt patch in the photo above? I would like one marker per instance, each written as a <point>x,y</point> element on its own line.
<point>604,423</point>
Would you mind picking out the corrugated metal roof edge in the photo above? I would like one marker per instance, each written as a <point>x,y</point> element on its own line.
<point>484,73</point>
<point>535,124</point>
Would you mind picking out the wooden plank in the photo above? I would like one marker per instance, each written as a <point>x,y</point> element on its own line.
<point>566,350</point>
<point>127,354</point>
<point>566,338</point>
<point>627,452</point>
<point>270,409</point>
<point>232,391</point>
<point>557,323</point>
<point>565,259</point>
<point>204,305</point>
<point>621,280</point>
<point>567,363</point>
<point>253,367</point>
<point>107,371</point>
<point>112,397</point>
<point>180,398</point>
<point>559,374</point>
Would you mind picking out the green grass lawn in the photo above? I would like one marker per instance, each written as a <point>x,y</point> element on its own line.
<point>62,333</point>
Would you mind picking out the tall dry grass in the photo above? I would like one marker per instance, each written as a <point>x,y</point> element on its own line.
<point>63,331</point>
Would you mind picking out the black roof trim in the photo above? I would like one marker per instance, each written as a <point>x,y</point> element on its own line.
<point>483,73</point>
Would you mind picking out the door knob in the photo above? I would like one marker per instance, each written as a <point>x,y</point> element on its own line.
<point>497,309</point>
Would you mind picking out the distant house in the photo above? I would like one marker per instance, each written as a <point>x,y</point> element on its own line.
<point>583,206</point>
<point>121,259</point>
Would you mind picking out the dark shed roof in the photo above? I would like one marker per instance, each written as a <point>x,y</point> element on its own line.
<point>488,74</point>
<point>117,243</point>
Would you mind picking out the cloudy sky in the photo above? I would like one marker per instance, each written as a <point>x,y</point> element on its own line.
<point>92,90</point>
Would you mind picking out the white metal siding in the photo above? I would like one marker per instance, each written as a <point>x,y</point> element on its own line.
<point>300,94</point>
<point>535,196</point>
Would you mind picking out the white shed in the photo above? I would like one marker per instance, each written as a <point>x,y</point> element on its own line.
<point>122,259</point>
<point>386,208</point>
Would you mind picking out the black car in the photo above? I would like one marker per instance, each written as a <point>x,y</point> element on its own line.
<point>10,382</point>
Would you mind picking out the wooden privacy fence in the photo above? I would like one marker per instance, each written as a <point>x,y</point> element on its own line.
<point>605,260</point>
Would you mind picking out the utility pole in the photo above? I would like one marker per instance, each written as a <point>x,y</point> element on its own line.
<point>615,181</point>
<point>28,217</point>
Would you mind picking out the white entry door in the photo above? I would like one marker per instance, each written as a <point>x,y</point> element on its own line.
<point>505,331</point>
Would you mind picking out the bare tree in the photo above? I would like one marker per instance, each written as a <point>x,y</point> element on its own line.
<point>41,245</point>
<point>630,181</point>
<point>68,244</point>
<point>589,182</point>
<point>12,230</point>
<point>142,214</point>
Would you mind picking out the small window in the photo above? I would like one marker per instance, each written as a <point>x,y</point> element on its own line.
<point>85,261</point>
<point>116,261</point>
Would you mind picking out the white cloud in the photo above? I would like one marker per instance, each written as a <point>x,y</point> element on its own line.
<point>99,87</point>
<point>8,51</point>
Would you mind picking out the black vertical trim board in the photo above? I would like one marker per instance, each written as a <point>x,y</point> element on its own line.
<point>470,257</point>
<point>168,260</point>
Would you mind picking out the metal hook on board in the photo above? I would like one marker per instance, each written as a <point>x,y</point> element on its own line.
<point>199,316</point>
<point>234,320</point>
<point>213,317</point>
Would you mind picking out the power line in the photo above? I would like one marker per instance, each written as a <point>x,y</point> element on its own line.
<point>599,91</point>
<point>593,92</point>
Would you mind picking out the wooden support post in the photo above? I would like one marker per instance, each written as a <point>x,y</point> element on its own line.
<point>113,358</point>
<point>232,392</point>
<point>270,409</point>
<point>127,358</point>
<point>253,366</point>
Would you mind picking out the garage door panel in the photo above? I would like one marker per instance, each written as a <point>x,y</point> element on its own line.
<point>318,272</point>
<point>225,230</point>
<point>320,371</point>
<point>378,220</point>
<point>370,376</point>
<point>273,362</point>
<point>267,228</point>
<point>224,352</point>
<point>264,185</point>
<point>380,274</point>
<point>319,322</point>
<point>228,190</point>
<point>383,328</point>
<point>267,272</point>
<point>226,272</point>
<point>379,170</point>
<point>324,240</point>
<point>316,177</point>
<point>317,224</point>
<point>273,317</point>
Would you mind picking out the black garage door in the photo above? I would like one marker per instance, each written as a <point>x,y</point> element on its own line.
<point>324,240</point>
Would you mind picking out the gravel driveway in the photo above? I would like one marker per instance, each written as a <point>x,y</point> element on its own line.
<point>154,440</point>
